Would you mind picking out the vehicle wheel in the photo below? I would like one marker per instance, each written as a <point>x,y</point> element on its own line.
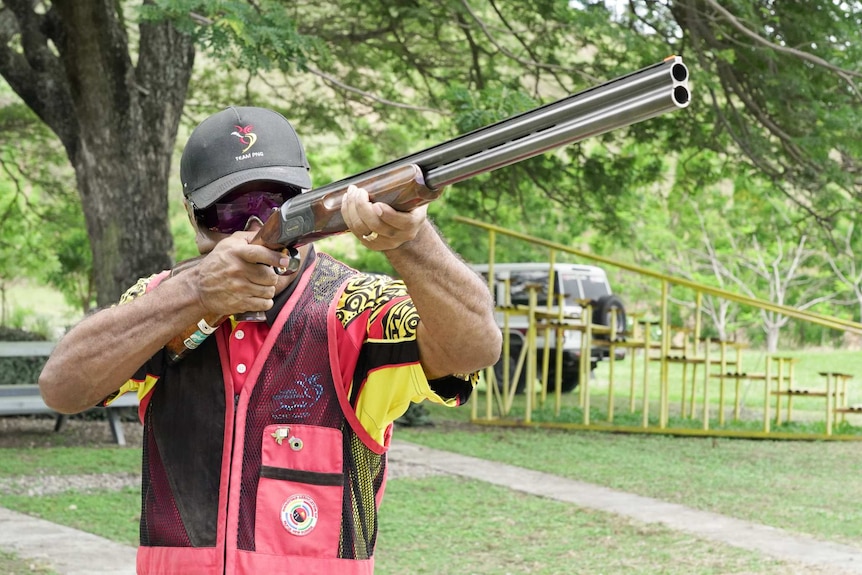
<point>571,374</point>
<point>602,315</point>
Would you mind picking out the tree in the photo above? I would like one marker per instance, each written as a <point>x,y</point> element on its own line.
<point>784,279</point>
<point>41,210</point>
<point>845,263</point>
<point>72,63</point>
<point>782,80</point>
<point>25,247</point>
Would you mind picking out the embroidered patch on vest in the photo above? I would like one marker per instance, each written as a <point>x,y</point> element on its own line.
<point>297,401</point>
<point>299,514</point>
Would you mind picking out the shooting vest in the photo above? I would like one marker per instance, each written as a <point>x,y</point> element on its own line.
<point>278,479</point>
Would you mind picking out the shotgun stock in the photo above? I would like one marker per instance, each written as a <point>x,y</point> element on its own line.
<point>419,178</point>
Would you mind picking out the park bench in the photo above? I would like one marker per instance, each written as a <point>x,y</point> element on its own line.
<point>25,399</point>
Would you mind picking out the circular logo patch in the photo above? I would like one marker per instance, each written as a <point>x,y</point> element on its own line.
<point>299,514</point>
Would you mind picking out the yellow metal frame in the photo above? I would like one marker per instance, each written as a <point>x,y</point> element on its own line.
<point>777,380</point>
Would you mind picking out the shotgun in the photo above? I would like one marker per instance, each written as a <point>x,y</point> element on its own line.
<point>419,178</point>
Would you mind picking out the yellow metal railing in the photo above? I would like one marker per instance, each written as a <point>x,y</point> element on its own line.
<point>777,369</point>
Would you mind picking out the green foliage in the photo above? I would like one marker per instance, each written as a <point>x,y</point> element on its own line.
<point>43,235</point>
<point>519,54</point>
<point>255,36</point>
<point>21,250</point>
<point>73,276</point>
<point>476,109</point>
<point>26,319</point>
<point>793,121</point>
<point>367,261</point>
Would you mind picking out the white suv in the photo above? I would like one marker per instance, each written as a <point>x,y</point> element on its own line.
<point>575,282</point>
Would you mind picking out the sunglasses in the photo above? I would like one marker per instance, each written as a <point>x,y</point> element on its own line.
<point>233,214</point>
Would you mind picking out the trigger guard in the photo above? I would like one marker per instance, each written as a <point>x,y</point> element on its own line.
<point>291,268</point>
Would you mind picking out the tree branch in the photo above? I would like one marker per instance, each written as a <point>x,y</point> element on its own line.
<point>333,81</point>
<point>845,75</point>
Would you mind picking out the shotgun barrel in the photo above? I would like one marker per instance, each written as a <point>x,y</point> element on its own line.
<point>627,100</point>
<point>638,96</point>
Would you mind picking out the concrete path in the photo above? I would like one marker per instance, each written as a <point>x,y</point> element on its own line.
<point>72,552</point>
<point>63,549</point>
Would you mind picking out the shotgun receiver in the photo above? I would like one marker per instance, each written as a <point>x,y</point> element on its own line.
<point>419,178</point>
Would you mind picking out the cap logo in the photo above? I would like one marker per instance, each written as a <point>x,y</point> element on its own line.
<point>246,136</point>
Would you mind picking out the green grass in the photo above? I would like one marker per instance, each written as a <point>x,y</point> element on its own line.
<point>39,305</point>
<point>807,487</point>
<point>11,564</point>
<point>445,525</point>
<point>69,461</point>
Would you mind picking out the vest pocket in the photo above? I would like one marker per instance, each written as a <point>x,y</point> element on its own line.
<point>299,495</point>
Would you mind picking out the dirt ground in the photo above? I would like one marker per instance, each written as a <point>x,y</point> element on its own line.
<point>38,431</point>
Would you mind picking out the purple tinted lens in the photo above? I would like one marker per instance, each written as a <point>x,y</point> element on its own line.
<point>232,216</point>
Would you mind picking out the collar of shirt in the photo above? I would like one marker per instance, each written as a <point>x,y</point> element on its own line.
<point>247,337</point>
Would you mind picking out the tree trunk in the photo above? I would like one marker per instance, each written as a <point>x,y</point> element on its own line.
<point>772,335</point>
<point>117,122</point>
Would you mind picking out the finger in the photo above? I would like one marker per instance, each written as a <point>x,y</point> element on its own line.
<point>255,291</point>
<point>399,227</point>
<point>230,280</point>
<point>240,295</point>
<point>348,208</point>
<point>258,304</point>
<point>356,211</point>
<point>235,297</point>
<point>368,211</point>
<point>257,254</point>
<point>260,275</point>
<point>378,225</point>
<point>402,221</point>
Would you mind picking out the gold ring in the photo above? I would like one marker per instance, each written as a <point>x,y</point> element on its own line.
<point>370,236</point>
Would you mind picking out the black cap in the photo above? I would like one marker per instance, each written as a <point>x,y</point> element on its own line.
<point>239,145</point>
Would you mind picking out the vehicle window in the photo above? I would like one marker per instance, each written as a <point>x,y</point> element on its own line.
<point>571,287</point>
<point>520,294</point>
<point>594,287</point>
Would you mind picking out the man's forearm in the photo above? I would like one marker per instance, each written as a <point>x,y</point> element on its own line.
<point>457,332</point>
<point>99,354</point>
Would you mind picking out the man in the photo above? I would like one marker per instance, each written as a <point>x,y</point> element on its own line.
<point>265,448</point>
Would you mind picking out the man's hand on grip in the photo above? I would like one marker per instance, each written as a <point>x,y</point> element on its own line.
<point>377,224</point>
<point>237,276</point>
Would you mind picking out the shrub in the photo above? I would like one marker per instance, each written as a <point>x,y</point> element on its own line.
<point>18,370</point>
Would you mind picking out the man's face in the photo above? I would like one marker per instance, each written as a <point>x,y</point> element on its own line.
<point>246,208</point>
<point>243,210</point>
